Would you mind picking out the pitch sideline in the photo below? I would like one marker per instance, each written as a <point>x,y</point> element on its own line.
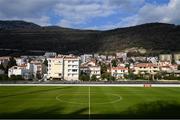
<point>93,85</point>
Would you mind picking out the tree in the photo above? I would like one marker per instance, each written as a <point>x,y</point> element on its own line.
<point>2,67</point>
<point>11,63</point>
<point>178,67</point>
<point>94,78</point>
<point>131,76</point>
<point>108,77</point>
<point>4,77</point>
<point>114,63</point>
<point>84,77</point>
<point>103,68</point>
<point>111,78</point>
<point>45,62</point>
<point>38,75</point>
<point>16,77</point>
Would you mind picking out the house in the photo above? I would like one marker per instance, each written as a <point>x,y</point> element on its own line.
<point>20,70</point>
<point>63,67</point>
<point>20,61</point>
<point>164,63</point>
<point>165,57</point>
<point>143,68</point>
<point>86,58</point>
<point>4,61</point>
<point>121,55</point>
<point>153,60</point>
<point>169,68</point>
<point>50,54</point>
<point>38,70</point>
<point>177,58</point>
<point>119,72</point>
<point>111,57</point>
<point>96,55</point>
<point>91,68</point>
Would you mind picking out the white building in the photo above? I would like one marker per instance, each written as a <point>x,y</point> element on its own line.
<point>20,70</point>
<point>177,58</point>
<point>91,68</point>
<point>50,54</point>
<point>165,57</point>
<point>55,68</point>
<point>143,68</point>
<point>20,61</point>
<point>63,67</point>
<point>119,72</point>
<point>4,60</point>
<point>71,68</point>
<point>86,58</point>
<point>122,55</point>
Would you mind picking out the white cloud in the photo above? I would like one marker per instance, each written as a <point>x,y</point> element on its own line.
<point>30,10</point>
<point>79,12</point>
<point>166,13</point>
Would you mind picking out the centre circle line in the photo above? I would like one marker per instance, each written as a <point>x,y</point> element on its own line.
<point>119,98</point>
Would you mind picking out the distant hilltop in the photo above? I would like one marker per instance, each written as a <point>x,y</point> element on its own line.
<point>146,38</point>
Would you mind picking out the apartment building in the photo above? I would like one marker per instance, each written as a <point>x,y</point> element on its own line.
<point>143,68</point>
<point>63,67</point>
<point>71,68</point>
<point>55,68</point>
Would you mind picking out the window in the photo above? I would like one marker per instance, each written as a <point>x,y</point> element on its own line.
<point>74,70</point>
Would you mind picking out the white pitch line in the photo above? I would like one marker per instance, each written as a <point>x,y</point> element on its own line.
<point>98,85</point>
<point>89,103</point>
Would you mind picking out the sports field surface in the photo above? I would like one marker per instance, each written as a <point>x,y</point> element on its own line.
<point>89,102</point>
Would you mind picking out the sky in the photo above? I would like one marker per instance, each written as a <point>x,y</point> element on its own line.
<point>91,14</point>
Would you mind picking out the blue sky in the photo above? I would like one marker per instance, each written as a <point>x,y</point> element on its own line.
<point>91,14</point>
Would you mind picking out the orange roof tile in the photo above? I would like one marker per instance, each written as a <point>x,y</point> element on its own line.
<point>145,65</point>
<point>119,68</point>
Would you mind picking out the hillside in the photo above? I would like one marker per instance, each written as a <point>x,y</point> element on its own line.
<point>24,36</point>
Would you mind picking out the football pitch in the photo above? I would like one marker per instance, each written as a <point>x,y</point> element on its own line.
<point>89,102</point>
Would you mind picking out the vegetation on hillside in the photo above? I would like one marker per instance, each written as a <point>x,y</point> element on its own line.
<point>154,37</point>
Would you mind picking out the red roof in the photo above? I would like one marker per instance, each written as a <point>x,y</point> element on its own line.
<point>23,65</point>
<point>145,65</point>
<point>119,68</point>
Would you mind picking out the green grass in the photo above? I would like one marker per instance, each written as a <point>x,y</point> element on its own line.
<point>73,102</point>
